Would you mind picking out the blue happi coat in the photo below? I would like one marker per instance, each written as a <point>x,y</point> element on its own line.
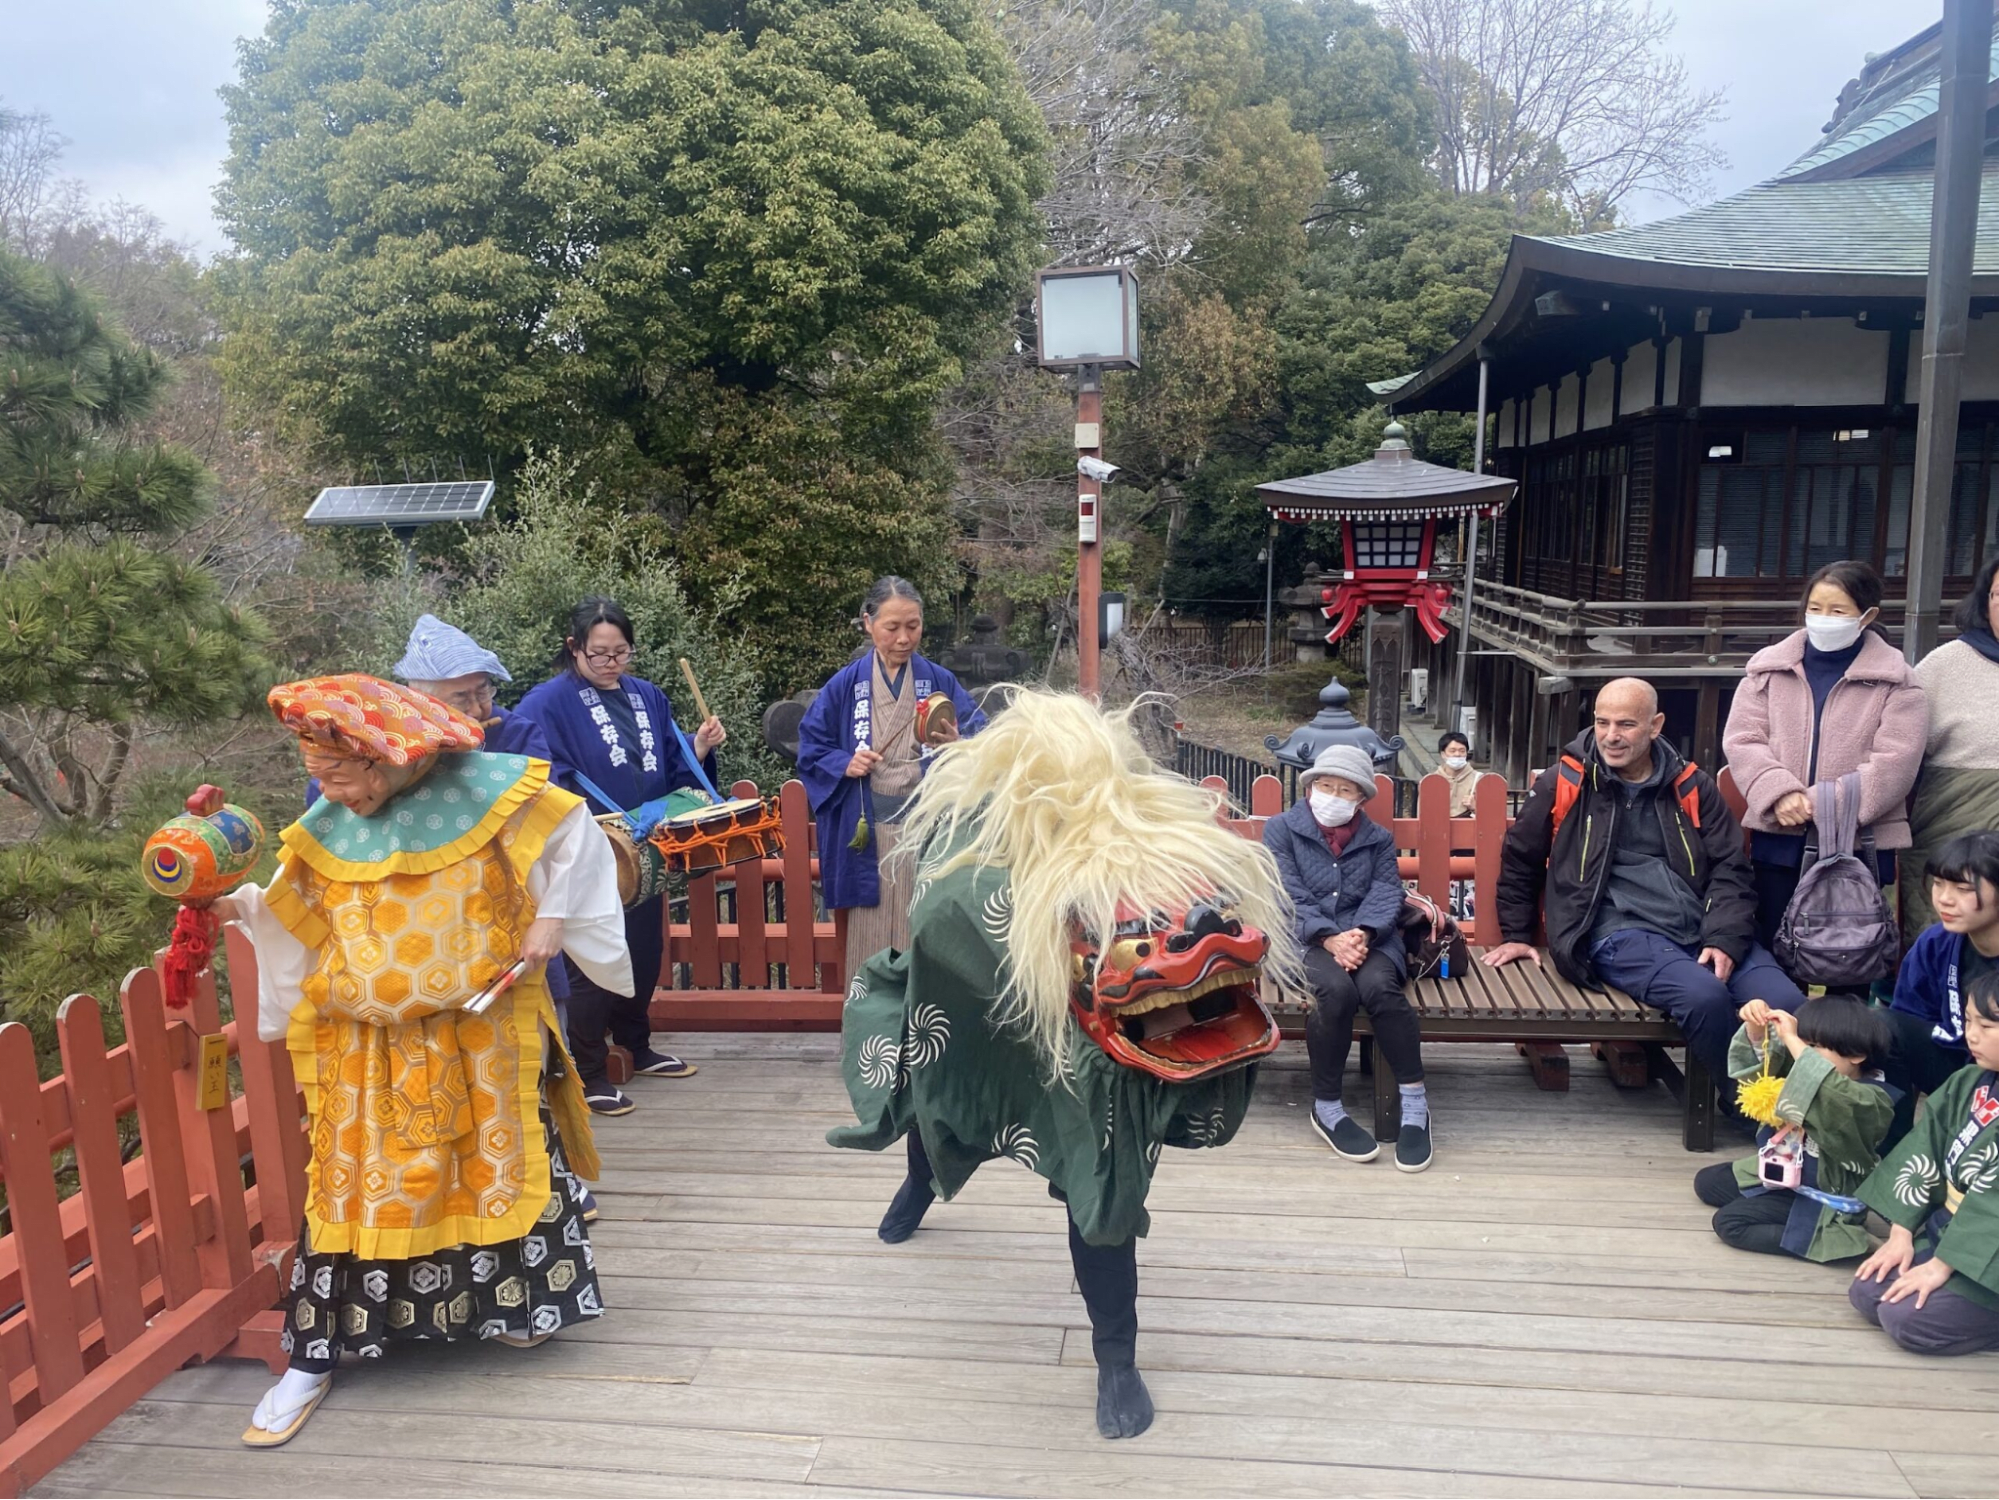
<point>588,739</point>
<point>839,723</point>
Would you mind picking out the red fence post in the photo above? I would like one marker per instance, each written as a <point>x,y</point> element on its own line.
<point>278,1142</point>
<point>36,1215</point>
<point>93,1114</point>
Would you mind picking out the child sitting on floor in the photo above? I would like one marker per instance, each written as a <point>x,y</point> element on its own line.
<point>1934,1286</point>
<point>1795,1196</point>
<point>1928,1018</point>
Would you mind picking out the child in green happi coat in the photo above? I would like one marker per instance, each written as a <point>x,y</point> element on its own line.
<point>1934,1286</point>
<point>1796,1195</point>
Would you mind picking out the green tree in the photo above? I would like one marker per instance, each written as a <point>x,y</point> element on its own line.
<point>672,236</point>
<point>1379,300</point>
<point>102,628</point>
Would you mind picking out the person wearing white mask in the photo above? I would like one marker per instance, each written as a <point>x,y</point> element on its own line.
<point>1454,758</point>
<point>1828,699</point>
<point>1339,868</point>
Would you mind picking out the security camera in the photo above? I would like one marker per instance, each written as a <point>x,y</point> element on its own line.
<point>1096,468</point>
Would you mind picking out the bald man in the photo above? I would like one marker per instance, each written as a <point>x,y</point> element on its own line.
<point>1645,881</point>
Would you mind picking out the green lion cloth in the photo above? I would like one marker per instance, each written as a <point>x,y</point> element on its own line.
<point>923,1049</point>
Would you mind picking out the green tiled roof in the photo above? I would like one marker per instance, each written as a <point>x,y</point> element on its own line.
<point>1879,223</point>
<point>1910,101</point>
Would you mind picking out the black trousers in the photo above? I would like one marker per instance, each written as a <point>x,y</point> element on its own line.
<point>1106,1275</point>
<point>1746,1223</point>
<point>1915,1065</point>
<point>594,1010</point>
<point>1376,985</point>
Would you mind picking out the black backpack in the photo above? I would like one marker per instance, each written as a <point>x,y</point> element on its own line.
<point>1838,929</point>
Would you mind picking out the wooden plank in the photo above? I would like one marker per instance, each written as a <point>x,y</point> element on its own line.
<point>1433,839</point>
<point>752,951</point>
<point>1266,797</point>
<point>32,1210</point>
<point>796,811</point>
<point>100,1171</point>
<point>214,1162</point>
<point>1490,822</point>
<point>271,1100</point>
<point>163,1153</point>
<point>703,954</point>
<point>745,1010</point>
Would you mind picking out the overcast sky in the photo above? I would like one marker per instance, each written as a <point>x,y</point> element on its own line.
<point>132,84</point>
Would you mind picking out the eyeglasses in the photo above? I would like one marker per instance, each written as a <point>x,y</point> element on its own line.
<point>615,658</point>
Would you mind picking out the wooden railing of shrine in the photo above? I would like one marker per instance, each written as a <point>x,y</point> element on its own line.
<point>736,961</point>
<point>154,1190</point>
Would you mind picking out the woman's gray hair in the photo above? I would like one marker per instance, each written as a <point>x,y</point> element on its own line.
<point>887,587</point>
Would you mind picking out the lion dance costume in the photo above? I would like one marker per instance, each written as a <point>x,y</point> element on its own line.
<point>441,1199</point>
<point>1080,989</point>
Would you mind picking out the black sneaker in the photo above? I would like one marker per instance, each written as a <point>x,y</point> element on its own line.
<point>607,1099</point>
<point>1349,1138</point>
<point>1413,1152</point>
<point>650,1064</point>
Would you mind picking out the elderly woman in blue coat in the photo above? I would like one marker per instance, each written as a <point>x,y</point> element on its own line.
<point>861,757</point>
<point>1339,867</point>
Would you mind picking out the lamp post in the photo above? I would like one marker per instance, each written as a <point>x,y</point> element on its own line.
<point>1088,323</point>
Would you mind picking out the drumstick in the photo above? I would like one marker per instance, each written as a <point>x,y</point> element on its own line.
<point>700,703</point>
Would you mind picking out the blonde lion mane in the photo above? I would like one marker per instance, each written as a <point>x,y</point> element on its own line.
<point>1063,797</point>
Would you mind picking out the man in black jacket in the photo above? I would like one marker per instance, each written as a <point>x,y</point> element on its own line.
<point>1646,884</point>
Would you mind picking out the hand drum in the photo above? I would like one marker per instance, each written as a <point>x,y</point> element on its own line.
<point>936,719</point>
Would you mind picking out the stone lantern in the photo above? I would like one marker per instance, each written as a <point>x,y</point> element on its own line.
<point>1387,507</point>
<point>1334,724</point>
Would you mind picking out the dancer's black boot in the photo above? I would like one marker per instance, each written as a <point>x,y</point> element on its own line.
<point>1108,1278</point>
<point>912,1199</point>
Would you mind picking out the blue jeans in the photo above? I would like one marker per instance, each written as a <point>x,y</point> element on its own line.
<point>1665,975</point>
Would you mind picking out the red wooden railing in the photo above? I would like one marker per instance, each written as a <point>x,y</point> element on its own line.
<point>150,1263</point>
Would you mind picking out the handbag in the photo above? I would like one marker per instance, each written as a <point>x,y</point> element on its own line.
<point>1432,939</point>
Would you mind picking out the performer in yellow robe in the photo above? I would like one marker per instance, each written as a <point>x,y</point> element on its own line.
<point>441,1203</point>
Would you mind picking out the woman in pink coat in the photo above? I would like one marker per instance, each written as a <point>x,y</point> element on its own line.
<point>1831,698</point>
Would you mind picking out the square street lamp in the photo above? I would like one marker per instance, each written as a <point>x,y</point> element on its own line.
<point>1089,316</point>
<point>1088,322</point>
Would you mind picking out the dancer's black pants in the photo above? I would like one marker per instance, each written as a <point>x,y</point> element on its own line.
<point>594,1010</point>
<point>1107,1276</point>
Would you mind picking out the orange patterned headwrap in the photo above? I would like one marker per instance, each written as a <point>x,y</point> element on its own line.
<point>374,720</point>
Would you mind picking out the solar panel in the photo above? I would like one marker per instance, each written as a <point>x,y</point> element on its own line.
<point>400,504</point>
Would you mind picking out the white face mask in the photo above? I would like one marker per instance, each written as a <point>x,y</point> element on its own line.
<point>1456,762</point>
<point>1832,632</point>
<point>1331,811</point>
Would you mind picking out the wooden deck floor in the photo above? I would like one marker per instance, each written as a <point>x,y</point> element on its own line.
<point>1544,1313</point>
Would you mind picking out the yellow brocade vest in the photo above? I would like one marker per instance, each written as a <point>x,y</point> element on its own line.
<point>426,1128</point>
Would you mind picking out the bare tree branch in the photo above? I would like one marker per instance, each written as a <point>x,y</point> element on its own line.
<point>1575,100</point>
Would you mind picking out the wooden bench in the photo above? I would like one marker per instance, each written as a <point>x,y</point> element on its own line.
<point>1533,1007</point>
<point>753,950</point>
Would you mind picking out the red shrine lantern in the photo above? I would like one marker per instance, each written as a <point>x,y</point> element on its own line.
<point>1388,508</point>
<point>1388,566</point>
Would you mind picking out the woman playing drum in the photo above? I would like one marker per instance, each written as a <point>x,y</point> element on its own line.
<point>616,744</point>
<point>862,748</point>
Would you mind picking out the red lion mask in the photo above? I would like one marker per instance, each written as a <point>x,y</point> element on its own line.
<point>1175,994</point>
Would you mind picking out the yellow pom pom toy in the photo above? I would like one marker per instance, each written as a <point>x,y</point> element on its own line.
<point>1757,1097</point>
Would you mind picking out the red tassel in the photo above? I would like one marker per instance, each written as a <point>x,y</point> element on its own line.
<point>189,951</point>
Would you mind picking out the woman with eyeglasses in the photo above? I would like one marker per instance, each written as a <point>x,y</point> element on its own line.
<point>616,744</point>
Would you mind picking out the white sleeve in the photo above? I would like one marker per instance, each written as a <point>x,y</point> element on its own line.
<point>282,960</point>
<point>576,879</point>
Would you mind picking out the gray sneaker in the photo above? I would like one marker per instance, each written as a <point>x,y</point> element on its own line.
<point>1349,1138</point>
<point>1412,1149</point>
